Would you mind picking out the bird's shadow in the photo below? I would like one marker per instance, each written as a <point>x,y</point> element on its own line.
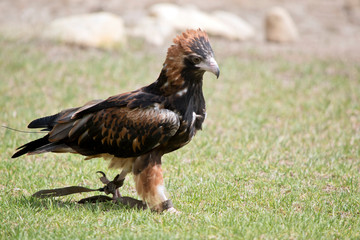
<point>53,202</point>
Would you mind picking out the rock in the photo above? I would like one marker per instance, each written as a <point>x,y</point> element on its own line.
<point>352,10</point>
<point>152,30</point>
<point>242,29</point>
<point>181,18</point>
<point>102,30</point>
<point>165,11</point>
<point>164,19</point>
<point>221,23</point>
<point>279,26</point>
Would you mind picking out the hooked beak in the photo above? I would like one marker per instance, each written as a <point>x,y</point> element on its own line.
<point>211,66</point>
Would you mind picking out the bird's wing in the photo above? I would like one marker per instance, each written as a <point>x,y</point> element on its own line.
<point>124,126</point>
<point>135,99</point>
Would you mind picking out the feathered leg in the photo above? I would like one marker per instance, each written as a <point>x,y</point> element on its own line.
<point>150,187</point>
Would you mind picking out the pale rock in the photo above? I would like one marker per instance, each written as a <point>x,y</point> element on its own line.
<point>279,26</point>
<point>165,11</point>
<point>352,9</point>
<point>152,30</point>
<point>181,18</point>
<point>102,30</point>
<point>243,30</point>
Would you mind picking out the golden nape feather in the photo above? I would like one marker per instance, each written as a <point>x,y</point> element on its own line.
<point>191,39</point>
<point>135,129</point>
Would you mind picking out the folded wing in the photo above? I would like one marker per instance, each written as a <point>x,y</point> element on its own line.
<point>127,125</point>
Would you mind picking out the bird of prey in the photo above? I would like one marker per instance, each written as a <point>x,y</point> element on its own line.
<point>135,129</point>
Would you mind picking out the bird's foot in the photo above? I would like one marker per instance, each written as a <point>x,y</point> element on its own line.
<point>172,210</point>
<point>112,187</point>
<point>165,206</point>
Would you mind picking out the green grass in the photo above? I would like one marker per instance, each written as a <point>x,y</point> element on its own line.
<point>278,157</point>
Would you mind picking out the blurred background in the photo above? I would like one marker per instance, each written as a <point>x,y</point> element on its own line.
<point>279,154</point>
<point>323,28</point>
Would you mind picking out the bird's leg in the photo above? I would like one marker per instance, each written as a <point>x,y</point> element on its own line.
<point>114,185</point>
<point>113,188</point>
<point>150,187</point>
<point>119,181</point>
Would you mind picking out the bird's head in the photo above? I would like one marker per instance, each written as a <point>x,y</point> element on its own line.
<point>186,62</point>
<point>192,54</point>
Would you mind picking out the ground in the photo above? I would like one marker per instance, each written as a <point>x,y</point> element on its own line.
<point>278,157</point>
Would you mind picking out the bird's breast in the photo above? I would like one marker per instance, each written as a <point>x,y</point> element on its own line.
<point>186,131</point>
<point>189,105</point>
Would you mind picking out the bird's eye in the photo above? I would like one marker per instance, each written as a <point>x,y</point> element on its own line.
<point>196,60</point>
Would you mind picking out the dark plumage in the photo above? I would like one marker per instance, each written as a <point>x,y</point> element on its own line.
<point>135,129</point>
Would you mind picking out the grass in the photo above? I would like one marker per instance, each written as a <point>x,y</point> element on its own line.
<point>278,157</point>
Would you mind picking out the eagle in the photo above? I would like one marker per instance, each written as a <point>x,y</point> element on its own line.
<point>133,130</point>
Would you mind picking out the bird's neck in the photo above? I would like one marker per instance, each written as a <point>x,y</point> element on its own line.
<point>183,90</point>
<point>176,82</point>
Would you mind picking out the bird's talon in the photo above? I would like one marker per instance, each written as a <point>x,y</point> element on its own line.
<point>102,173</point>
<point>103,179</point>
<point>172,210</point>
<point>116,195</point>
<point>111,187</point>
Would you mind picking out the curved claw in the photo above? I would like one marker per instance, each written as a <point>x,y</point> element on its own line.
<point>111,186</point>
<point>103,179</point>
<point>102,173</point>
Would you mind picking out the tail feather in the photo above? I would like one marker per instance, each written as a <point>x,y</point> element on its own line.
<point>31,146</point>
<point>59,125</point>
<point>53,147</point>
<point>45,122</point>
